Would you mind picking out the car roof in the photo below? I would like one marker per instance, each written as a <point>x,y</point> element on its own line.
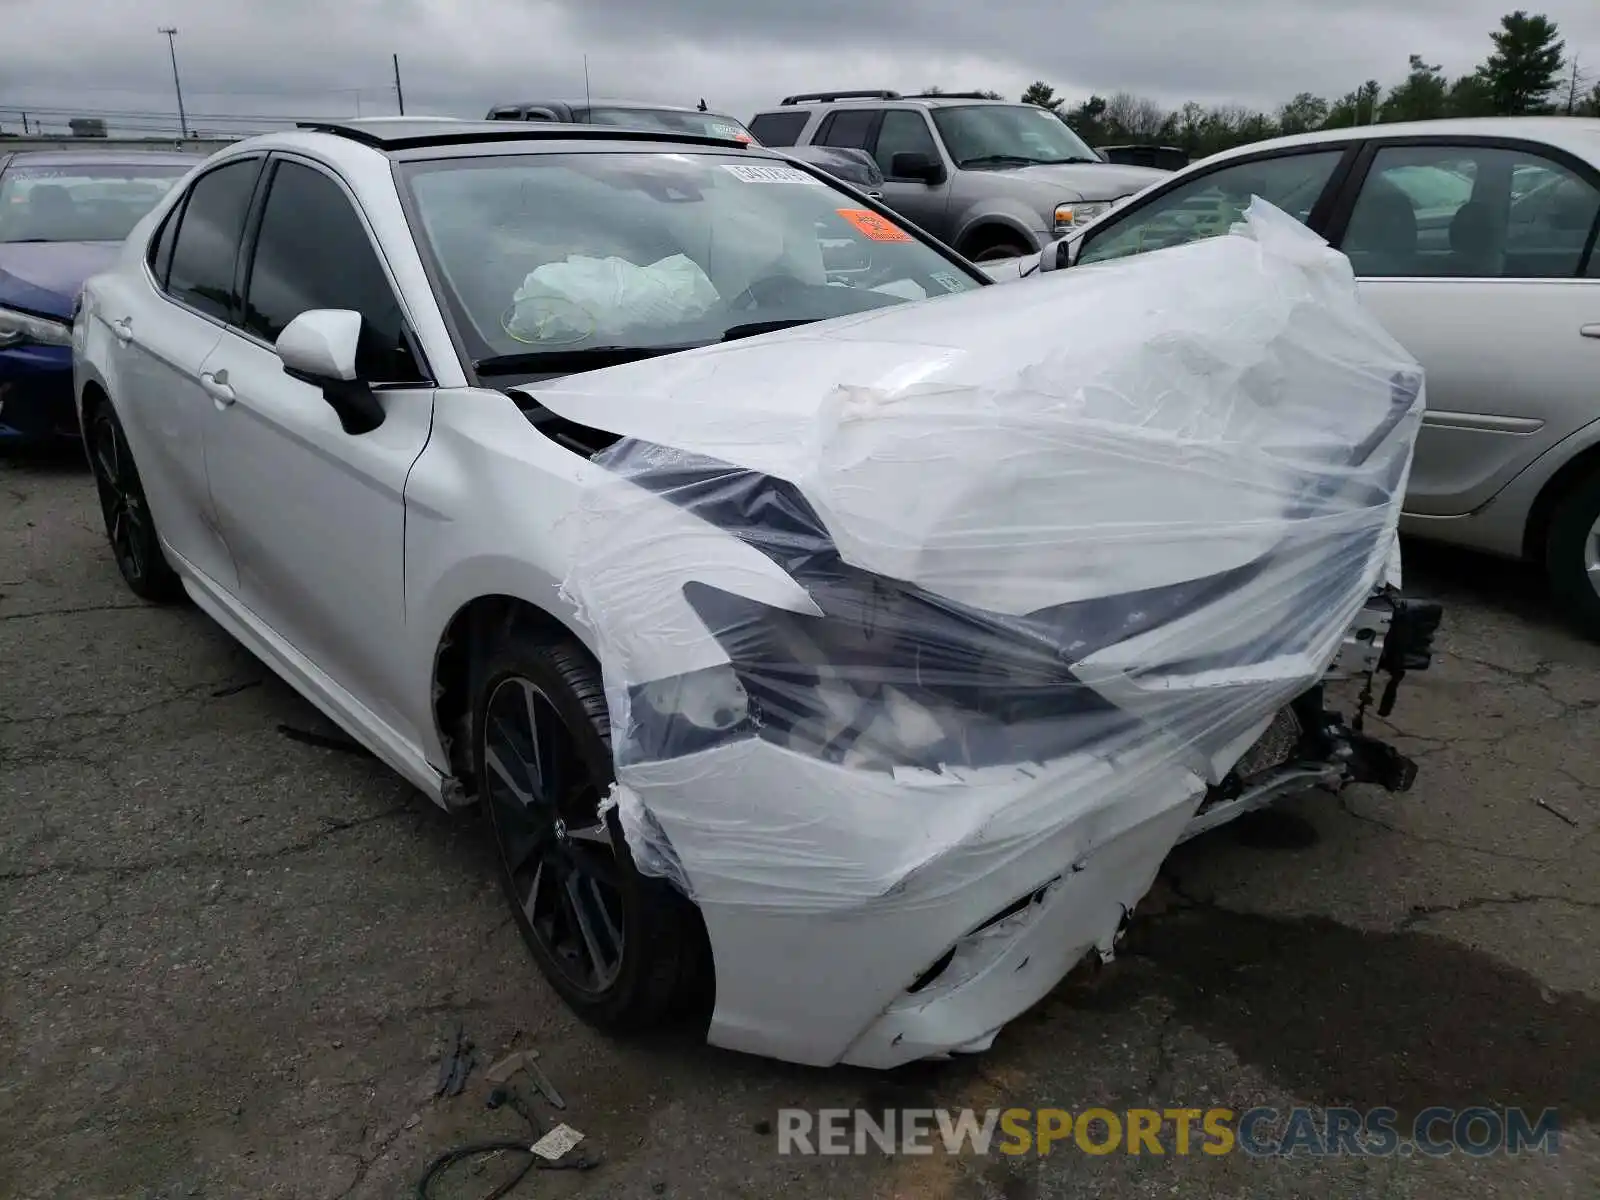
<point>410,138</point>
<point>122,157</point>
<point>1581,134</point>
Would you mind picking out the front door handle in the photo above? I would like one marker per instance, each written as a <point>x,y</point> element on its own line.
<point>1590,331</point>
<point>216,386</point>
<point>122,330</point>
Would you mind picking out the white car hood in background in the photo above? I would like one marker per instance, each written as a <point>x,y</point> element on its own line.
<point>1057,546</point>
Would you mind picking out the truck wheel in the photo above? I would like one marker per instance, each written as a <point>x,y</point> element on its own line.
<point>998,250</point>
<point>1572,555</point>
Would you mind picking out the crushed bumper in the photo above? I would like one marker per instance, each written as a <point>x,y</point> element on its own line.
<point>873,944</point>
<point>1307,745</point>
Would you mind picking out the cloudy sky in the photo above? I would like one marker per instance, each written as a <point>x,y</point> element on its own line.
<point>286,58</point>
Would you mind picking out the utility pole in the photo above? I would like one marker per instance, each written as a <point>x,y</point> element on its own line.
<point>172,48</point>
<point>400,97</point>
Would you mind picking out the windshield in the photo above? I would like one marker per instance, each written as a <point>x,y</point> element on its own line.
<point>558,255</point>
<point>80,202</point>
<point>1008,135</point>
<point>705,124</point>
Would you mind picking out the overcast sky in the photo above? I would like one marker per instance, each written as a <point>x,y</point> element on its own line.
<point>329,57</point>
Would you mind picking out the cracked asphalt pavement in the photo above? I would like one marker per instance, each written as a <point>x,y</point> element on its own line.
<point>229,954</point>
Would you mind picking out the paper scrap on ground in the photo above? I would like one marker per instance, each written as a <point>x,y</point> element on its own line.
<point>557,1142</point>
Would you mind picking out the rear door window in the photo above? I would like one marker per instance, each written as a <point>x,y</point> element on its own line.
<point>1470,211</point>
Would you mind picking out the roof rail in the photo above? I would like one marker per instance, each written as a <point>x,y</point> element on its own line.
<point>952,96</point>
<point>829,97</point>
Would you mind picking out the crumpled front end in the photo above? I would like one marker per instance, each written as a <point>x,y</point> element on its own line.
<point>1004,599</point>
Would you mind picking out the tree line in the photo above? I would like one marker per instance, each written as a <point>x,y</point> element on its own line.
<point>1527,72</point>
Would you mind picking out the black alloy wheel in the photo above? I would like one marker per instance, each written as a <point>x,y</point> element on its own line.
<point>553,843</point>
<point>129,526</point>
<point>624,950</point>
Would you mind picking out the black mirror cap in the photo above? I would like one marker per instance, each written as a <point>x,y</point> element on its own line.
<point>913,164</point>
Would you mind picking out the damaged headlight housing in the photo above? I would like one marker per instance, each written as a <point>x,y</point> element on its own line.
<point>24,329</point>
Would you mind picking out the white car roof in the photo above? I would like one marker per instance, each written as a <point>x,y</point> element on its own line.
<point>1580,135</point>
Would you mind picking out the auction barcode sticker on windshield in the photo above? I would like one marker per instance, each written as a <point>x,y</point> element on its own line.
<point>755,174</point>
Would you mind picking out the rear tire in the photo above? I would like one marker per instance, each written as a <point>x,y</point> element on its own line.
<point>626,951</point>
<point>1572,555</point>
<point>130,528</point>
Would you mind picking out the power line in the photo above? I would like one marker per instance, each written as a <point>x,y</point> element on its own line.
<point>291,92</point>
<point>127,114</point>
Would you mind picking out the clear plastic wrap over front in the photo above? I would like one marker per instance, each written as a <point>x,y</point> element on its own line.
<point>885,603</point>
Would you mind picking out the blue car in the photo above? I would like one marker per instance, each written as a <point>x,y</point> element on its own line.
<point>63,217</point>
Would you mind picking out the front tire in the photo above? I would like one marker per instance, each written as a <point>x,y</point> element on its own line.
<point>130,529</point>
<point>1572,555</point>
<point>624,950</point>
<point>997,249</point>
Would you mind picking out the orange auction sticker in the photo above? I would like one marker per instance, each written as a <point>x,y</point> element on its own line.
<point>879,229</point>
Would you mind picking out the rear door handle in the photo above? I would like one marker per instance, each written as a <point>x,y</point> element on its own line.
<point>123,330</point>
<point>216,386</point>
<point>1590,331</point>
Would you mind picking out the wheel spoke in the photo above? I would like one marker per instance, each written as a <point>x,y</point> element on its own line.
<point>530,903</point>
<point>497,764</point>
<point>613,934</point>
<point>108,469</point>
<point>577,907</point>
<point>598,834</point>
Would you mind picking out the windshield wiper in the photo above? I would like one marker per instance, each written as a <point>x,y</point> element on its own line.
<point>995,160</point>
<point>756,328</point>
<point>557,362</point>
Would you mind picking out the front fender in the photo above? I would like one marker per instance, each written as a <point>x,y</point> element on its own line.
<point>1006,213</point>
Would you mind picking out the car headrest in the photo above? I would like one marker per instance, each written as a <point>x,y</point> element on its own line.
<point>1383,221</point>
<point>1472,229</point>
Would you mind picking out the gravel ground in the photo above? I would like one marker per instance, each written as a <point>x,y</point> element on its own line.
<point>230,956</point>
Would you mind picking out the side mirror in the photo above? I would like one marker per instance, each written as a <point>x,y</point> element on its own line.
<point>914,164</point>
<point>1061,253</point>
<point>319,348</point>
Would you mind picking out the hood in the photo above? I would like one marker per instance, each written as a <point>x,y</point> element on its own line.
<point>45,277</point>
<point>1092,181</point>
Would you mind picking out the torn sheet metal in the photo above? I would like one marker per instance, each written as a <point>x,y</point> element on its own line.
<point>1015,569</point>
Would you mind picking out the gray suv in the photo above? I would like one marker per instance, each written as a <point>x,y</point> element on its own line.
<point>991,179</point>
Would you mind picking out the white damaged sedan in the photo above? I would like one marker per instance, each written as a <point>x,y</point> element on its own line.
<point>830,638</point>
